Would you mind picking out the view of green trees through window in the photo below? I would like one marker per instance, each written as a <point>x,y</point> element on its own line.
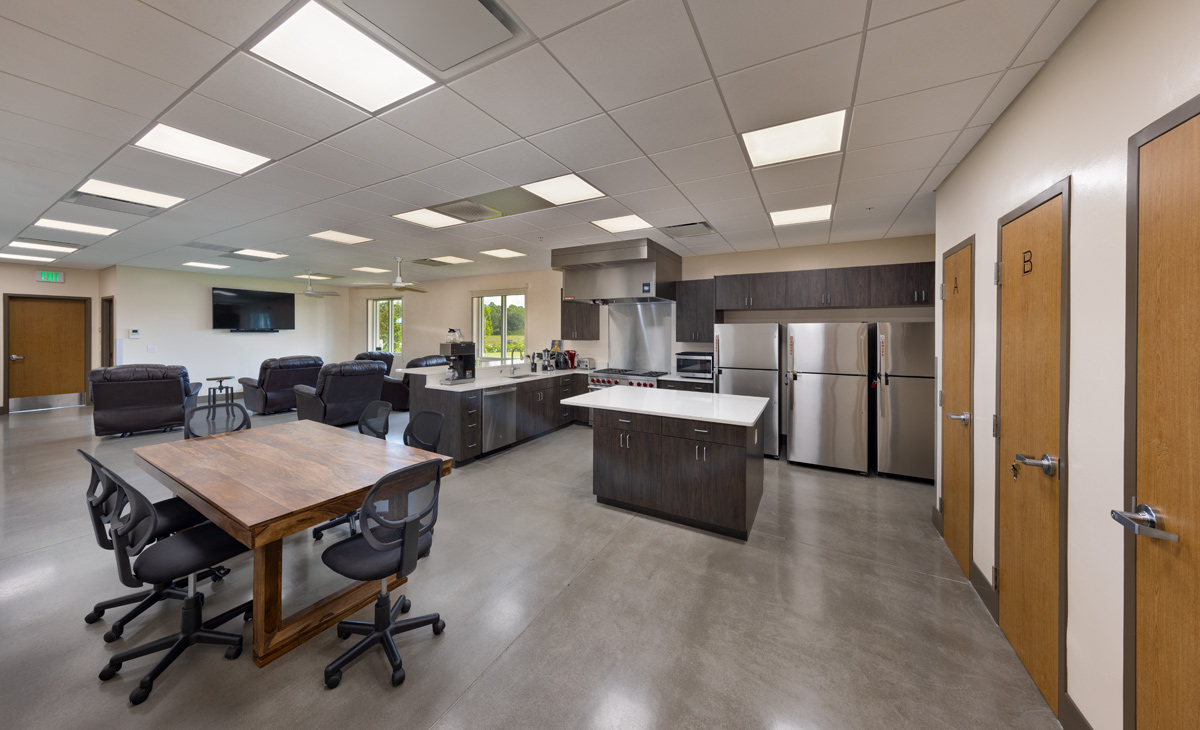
<point>500,327</point>
<point>387,320</point>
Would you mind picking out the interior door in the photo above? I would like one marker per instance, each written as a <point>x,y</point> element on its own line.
<point>1167,436</point>
<point>1029,559</point>
<point>957,346</point>
<point>47,346</point>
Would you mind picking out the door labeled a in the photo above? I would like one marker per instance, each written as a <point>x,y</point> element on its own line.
<point>47,346</point>
<point>958,422</point>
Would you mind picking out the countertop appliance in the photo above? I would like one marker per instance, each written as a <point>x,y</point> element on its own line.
<point>462,361</point>
<point>905,402</point>
<point>638,270</point>
<point>499,417</point>
<point>748,360</point>
<point>830,367</point>
<point>694,365</point>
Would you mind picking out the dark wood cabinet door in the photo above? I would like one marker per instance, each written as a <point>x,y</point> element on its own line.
<point>920,279</point>
<point>694,310</point>
<point>890,286</point>
<point>607,458</point>
<point>580,321</point>
<point>528,414</point>
<point>848,287</point>
<point>805,289</point>
<point>769,291</point>
<point>722,501</point>
<point>731,292</point>
<point>680,460</point>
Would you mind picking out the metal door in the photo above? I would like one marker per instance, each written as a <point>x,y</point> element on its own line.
<point>762,384</point>
<point>829,421</point>
<point>747,346</point>
<point>906,348</point>
<point>906,426</point>
<point>829,348</point>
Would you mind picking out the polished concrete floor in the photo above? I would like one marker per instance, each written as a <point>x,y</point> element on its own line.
<point>843,610</point>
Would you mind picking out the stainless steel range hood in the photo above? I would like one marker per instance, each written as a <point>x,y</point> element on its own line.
<point>621,272</point>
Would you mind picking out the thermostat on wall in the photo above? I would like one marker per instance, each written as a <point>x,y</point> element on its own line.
<point>135,334</point>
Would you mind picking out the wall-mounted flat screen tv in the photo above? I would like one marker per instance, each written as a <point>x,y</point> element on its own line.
<point>253,311</point>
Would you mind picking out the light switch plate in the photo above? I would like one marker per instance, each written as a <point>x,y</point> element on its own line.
<point>151,348</point>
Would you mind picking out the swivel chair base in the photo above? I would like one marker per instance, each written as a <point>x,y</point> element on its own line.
<point>380,632</point>
<point>146,599</point>
<point>350,519</point>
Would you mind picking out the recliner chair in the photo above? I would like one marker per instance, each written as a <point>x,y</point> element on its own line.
<point>140,397</point>
<point>395,391</point>
<point>342,392</point>
<point>273,391</point>
<point>428,361</point>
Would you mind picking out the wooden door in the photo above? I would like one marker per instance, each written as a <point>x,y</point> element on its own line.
<point>107,333</point>
<point>957,353</point>
<point>806,289</point>
<point>47,346</point>
<point>848,287</point>
<point>1166,620</point>
<point>1031,409</point>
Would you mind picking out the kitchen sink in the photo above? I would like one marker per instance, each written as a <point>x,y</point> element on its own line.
<point>521,377</point>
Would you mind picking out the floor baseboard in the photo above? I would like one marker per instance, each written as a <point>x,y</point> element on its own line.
<point>987,593</point>
<point>937,521</point>
<point>1070,716</point>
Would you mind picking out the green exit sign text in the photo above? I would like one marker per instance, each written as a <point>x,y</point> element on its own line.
<point>54,277</point>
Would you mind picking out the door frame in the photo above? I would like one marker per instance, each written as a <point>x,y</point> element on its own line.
<point>939,515</point>
<point>1063,188</point>
<point>87,340</point>
<point>107,331</point>
<point>1154,130</point>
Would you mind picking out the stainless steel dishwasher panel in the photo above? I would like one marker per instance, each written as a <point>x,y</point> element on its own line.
<point>499,417</point>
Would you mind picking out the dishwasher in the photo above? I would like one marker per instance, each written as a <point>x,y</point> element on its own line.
<point>499,417</point>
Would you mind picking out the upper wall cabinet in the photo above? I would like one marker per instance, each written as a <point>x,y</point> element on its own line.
<point>752,291</point>
<point>694,315</point>
<point>580,321</point>
<point>899,285</point>
<point>902,285</point>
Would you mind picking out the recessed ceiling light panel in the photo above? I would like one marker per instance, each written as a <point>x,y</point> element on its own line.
<point>428,218</point>
<point>565,189</point>
<point>202,265</point>
<point>622,224</point>
<point>201,150</point>
<point>312,276</point>
<point>43,246</point>
<point>373,270</point>
<point>340,237</point>
<point>128,194</point>
<point>452,260</point>
<point>796,140</point>
<point>801,215</point>
<point>77,227</point>
<point>23,257</point>
<point>261,254</point>
<point>323,48</point>
<point>503,253</point>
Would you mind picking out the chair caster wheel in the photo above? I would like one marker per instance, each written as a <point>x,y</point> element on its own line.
<point>233,652</point>
<point>343,634</point>
<point>139,695</point>
<point>405,606</point>
<point>439,627</point>
<point>333,680</point>
<point>109,671</point>
<point>113,633</point>
<point>248,615</point>
<point>217,578</point>
<point>317,534</point>
<point>397,677</point>
<point>93,617</point>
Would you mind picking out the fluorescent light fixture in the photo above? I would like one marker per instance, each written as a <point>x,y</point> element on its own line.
<point>317,277</point>
<point>372,270</point>
<point>77,227</point>
<point>801,215</point>
<point>22,257</point>
<point>795,140</point>
<point>43,246</point>
<point>452,260</point>
<point>340,237</point>
<point>622,224</point>
<point>562,190</point>
<point>503,253</point>
<point>202,265</point>
<point>321,47</point>
<point>128,194</point>
<point>428,218</point>
<point>261,254</point>
<point>201,150</point>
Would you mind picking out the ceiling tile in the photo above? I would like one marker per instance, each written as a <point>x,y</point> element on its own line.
<point>334,163</point>
<point>753,240</point>
<point>965,142</point>
<point>517,163</point>
<point>528,92</point>
<point>716,157</point>
<point>550,218</point>
<point>234,200</point>
<point>253,187</point>
<point>629,176</point>
<point>369,201</point>
<point>960,41</point>
<point>386,145</point>
<point>136,158</point>
<point>803,198</point>
<point>1054,30</point>
<point>49,158</point>
<point>473,232</point>
<point>936,178</point>
<point>203,116</point>
<point>413,192</point>
<point>256,88</point>
<point>29,131</point>
<point>330,209</point>
<point>586,144</point>
<point>874,208</point>
<point>449,122</point>
<point>547,16</point>
<point>648,201</point>
<point>1010,86</point>
<point>920,114</point>
<point>917,219</point>
<point>901,183</point>
<point>799,174</point>
<point>804,234</point>
<point>745,223</point>
<point>460,178</point>
<point>799,86</point>
<point>637,50</point>
<point>747,32</point>
<point>288,176</point>
<point>673,216</point>
<point>577,232</point>
<point>74,112</point>
<point>718,246</point>
<point>233,21</point>
<point>510,225</point>
<point>677,119</point>
<point>597,210</point>
<point>725,187</point>
<point>867,228</point>
<point>913,154</point>
<point>730,209</point>
<point>889,11</point>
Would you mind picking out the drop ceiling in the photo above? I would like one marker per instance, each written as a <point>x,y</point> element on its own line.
<point>644,99</point>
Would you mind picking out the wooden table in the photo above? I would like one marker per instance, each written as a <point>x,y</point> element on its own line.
<point>263,484</point>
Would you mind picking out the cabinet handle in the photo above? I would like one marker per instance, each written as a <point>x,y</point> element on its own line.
<point>697,452</point>
<point>628,439</point>
<point>471,411</point>
<point>752,301</point>
<point>621,439</point>
<point>622,420</point>
<point>705,453</point>
<point>699,430</point>
<point>472,425</point>
<point>471,446</point>
<point>922,295</point>
<point>914,296</point>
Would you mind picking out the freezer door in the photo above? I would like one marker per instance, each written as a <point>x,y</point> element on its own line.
<point>906,348</point>
<point>906,427</point>
<point>829,421</point>
<point>829,348</point>
<point>760,383</point>
<point>754,346</point>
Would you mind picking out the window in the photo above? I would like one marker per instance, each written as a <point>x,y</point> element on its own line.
<point>499,325</point>
<point>387,318</point>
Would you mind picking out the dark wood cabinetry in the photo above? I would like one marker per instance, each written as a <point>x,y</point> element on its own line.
<point>805,289</point>
<point>694,310</point>
<point>896,285</point>
<point>580,321</point>
<point>849,287</point>
<point>699,387</point>
<point>902,285</point>
<point>752,291</point>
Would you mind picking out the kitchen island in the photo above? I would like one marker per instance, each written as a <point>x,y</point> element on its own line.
<point>692,458</point>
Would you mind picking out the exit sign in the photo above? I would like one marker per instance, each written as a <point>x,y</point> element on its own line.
<point>54,277</point>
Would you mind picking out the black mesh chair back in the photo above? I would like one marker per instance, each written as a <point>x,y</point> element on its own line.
<point>210,420</point>
<point>101,497</point>
<point>424,430</point>
<point>374,419</point>
<point>133,525</point>
<point>401,509</point>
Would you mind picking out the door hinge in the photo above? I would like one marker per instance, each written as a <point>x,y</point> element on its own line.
<point>995,426</point>
<point>996,274</point>
<point>995,579</point>
<point>941,504</point>
<point>941,398</point>
<point>943,291</point>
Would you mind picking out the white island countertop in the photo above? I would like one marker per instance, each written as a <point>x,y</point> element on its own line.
<point>736,410</point>
<point>486,377</point>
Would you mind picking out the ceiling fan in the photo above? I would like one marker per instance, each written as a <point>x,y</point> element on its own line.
<point>401,285</point>
<point>309,292</point>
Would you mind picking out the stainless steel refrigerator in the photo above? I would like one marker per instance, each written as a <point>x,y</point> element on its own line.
<point>906,411</point>
<point>830,369</point>
<point>748,359</point>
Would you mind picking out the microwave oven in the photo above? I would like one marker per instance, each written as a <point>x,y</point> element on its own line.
<point>694,365</point>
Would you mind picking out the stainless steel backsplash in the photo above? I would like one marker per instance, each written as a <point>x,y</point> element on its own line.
<point>640,335</point>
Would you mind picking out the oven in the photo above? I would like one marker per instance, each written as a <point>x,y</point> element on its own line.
<point>694,365</point>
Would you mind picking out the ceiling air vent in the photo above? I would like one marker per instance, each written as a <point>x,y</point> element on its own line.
<point>430,262</point>
<point>210,247</point>
<point>467,210</point>
<point>99,201</point>
<point>687,230</point>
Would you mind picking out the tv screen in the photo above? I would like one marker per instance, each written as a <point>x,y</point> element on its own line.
<point>243,309</point>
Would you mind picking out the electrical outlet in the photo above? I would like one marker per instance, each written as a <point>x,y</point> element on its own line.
<point>151,348</point>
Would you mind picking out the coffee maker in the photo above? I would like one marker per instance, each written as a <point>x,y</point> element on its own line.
<point>462,361</point>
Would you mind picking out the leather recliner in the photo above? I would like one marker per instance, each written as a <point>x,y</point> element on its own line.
<point>140,397</point>
<point>342,392</point>
<point>395,391</point>
<point>277,376</point>
<point>428,361</point>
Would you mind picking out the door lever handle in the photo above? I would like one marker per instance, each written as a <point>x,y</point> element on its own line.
<point>964,417</point>
<point>15,357</point>
<point>1145,522</point>
<point>1048,464</point>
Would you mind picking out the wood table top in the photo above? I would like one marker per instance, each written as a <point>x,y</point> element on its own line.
<point>261,476</point>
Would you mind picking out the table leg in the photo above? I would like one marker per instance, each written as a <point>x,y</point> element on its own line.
<point>268,596</point>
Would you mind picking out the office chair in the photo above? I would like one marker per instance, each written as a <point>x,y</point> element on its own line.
<point>173,515</point>
<point>209,423</point>
<point>397,520</point>
<point>182,555</point>
<point>373,422</point>
<point>424,430</point>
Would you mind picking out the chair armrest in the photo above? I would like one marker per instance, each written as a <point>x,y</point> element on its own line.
<point>248,382</point>
<point>305,390</point>
<point>195,388</point>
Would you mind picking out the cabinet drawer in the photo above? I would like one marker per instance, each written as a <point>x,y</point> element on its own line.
<point>472,444</point>
<point>721,433</point>
<point>668,385</point>
<point>628,421</point>
<point>701,387</point>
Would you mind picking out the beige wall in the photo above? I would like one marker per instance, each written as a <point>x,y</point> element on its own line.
<point>1127,64</point>
<point>833,256</point>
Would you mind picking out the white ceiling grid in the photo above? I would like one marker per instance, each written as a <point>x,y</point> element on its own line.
<point>644,99</point>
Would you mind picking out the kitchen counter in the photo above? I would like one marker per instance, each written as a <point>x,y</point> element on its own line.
<point>484,377</point>
<point>735,410</point>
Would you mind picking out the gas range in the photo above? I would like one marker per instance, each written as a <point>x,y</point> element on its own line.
<point>609,377</point>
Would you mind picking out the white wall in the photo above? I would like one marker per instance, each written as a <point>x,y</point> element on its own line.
<point>1127,64</point>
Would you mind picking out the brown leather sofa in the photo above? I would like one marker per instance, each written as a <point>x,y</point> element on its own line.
<point>273,391</point>
<point>395,391</point>
<point>342,392</point>
<point>129,398</point>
